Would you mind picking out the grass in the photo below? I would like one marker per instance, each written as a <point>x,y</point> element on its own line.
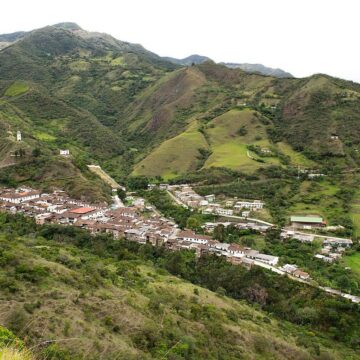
<point>17,88</point>
<point>104,176</point>
<point>175,156</point>
<point>355,213</point>
<point>353,261</point>
<point>229,148</point>
<point>297,159</point>
<point>317,197</point>
<point>9,353</point>
<point>43,136</point>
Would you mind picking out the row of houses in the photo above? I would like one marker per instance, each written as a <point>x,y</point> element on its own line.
<point>208,245</point>
<point>295,271</point>
<point>185,194</point>
<point>332,247</point>
<point>123,222</point>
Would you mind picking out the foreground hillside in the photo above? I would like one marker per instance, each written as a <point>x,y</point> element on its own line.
<point>72,296</point>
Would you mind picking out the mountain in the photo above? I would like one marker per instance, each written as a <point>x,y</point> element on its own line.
<point>260,69</point>
<point>250,68</point>
<point>117,104</point>
<point>63,87</point>
<point>224,130</point>
<point>188,61</point>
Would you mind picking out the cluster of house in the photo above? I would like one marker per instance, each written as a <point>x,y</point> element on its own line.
<point>122,222</point>
<point>332,247</point>
<point>295,271</point>
<point>204,244</point>
<point>58,208</point>
<point>247,225</point>
<point>311,174</point>
<point>187,196</point>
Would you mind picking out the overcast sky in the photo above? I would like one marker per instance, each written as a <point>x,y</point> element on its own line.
<point>300,36</point>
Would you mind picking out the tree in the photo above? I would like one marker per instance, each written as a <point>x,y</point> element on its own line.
<point>36,152</point>
<point>121,194</point>
<point>138,183</point>
<point>219,233</point>
<point>193,223</point>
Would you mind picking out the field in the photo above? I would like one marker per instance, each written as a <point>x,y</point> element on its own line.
<point>180,154</point>
<point>297,158</point>
<point>43,136</point>
<point>230,148</point>
<point>175,156</point>
<point>317,197</point>
<point>353,261</point>
<point>17,88</point>
<point>355,214</point>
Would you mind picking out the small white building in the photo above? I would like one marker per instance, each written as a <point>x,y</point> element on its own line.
<point>65,152</point>
<point>210,198</point>
<point>251,205</point>
<point>267,259</point>
<point>224,212</point>
<point>188,235</point>
<point>17,197</point>
<point>18,136</point>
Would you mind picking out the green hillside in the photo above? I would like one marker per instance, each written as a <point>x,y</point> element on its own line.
<point>118,105</point>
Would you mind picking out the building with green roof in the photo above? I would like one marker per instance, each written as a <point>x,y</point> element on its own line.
<point>307,221</point>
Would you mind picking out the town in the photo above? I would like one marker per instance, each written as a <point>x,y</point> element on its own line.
<point>143,224</point>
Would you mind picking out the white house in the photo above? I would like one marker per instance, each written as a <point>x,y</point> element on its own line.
<point>252,205</point>
<point>17,197</point>
<point>267,259</point>
<point>188,235</point>
<point>18,136</point>
<point>65,152</point>
<point>210,198</point>
<point>236,250</point>
<point>222,211</point>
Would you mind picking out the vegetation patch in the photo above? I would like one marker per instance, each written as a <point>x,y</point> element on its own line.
<point>17,88</point>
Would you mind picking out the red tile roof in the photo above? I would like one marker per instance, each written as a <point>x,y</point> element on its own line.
<point>83,210</point>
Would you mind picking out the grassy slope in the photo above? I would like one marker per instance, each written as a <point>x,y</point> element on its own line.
<point>128,309</point>
<point>355,213</point>
<point>17,88</point>
<point>229,149</point>
<point>178,155</point>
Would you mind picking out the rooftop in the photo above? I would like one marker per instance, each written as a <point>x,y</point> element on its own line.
<point>306,219</point>
<point>82,210</point>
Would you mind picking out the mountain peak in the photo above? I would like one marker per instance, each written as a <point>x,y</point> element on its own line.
<point>190,60</point>
<point>68,26</point>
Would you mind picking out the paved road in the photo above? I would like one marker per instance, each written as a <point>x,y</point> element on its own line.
<point>117,203</point>
<point>250,219</point>
<point>176,199</point>
<point>353,298</point>
<point>316,235</point>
